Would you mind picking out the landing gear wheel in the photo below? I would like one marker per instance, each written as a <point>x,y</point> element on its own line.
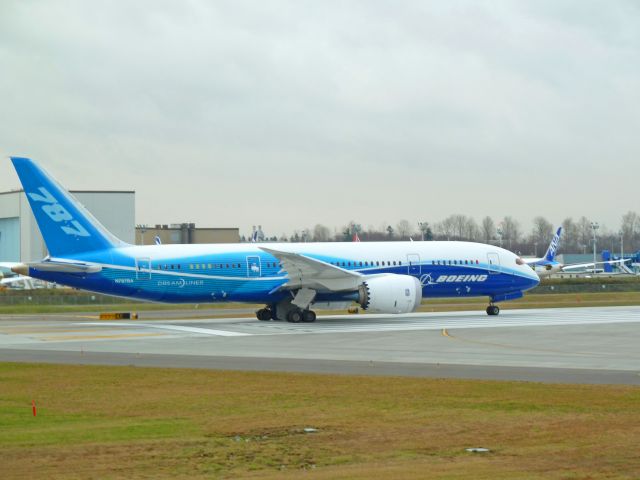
<point>308,316</point>
<point>294,316</point>
<point>493,310</point>
<point>264,314</point>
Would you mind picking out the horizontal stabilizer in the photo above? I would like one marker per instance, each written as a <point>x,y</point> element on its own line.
<point>60,267</point>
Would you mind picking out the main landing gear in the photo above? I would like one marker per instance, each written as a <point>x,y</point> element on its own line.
<point>493,309</point>
<point>264,315</point>
<point>297,315</point>
<point>294,315</point>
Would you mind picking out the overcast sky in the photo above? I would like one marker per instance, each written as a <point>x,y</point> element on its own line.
<point>292,113</point>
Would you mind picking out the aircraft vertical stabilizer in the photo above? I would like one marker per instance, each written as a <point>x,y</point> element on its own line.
<point>66,226</point>
<point>550,255</point>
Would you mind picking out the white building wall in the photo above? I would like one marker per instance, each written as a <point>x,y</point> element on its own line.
<point>10,239</point>
<point>115,210</point>
<point>10,232</point>
<point>31,244</point>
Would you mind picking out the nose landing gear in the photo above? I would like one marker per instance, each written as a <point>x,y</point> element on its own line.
<point>493,309</point>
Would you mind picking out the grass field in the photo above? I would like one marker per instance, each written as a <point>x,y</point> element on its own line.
<point>126,422</point>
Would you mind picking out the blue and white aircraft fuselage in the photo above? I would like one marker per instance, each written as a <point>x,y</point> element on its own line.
<point>290,279</point>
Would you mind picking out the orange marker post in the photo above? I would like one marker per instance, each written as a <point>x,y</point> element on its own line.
<point>33,407</point>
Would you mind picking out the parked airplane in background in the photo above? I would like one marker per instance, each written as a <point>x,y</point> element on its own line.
<point>290,279</point>
<point>548,265</point>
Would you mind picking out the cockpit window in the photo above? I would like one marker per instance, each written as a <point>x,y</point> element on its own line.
<point>519,261</point>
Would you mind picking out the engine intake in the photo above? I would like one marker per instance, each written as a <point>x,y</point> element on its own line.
<point>390,293</point>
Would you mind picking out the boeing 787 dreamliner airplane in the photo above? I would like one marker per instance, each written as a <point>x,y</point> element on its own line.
<point>289,278</point>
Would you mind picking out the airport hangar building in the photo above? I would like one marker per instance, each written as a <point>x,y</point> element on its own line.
<point>21,241</point>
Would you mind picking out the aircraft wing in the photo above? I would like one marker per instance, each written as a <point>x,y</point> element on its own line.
<point>574,266</point>
<point>8,265</point>
<point>308,272</point>
<point>10,280</point>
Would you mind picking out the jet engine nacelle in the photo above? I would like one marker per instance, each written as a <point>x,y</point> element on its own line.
<point>390,293</point>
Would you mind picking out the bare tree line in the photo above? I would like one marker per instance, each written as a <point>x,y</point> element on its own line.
<point>577,236</point>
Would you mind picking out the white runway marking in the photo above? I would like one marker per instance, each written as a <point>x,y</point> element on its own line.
<point>179,328</point>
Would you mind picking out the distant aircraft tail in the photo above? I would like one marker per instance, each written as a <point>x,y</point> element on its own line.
<point>66,226</point>
<point>553,246</point>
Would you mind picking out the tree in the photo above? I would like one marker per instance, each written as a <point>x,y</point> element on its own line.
<point>404,229</point>
<point>425,230</point>
<point>510,231</point>
<point>542,232</point>
<point>630,229</point>
<point>458,223</point>
<point>350,230</point>
<point>471,230</point>
<point>428,235</point>
<point>321,233</point>
<point>445,228</point>
<point>458,227</point>
<point>390,231</point>
<point>488,229</point>
<point>585,233</point>
<point>569,237</point>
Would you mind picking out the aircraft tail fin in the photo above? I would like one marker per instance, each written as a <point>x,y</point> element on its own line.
<point>66,226</point>
<point>550,255</point>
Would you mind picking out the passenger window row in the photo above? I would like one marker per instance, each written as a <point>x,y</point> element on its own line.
<point>455,262</point>
<point>383,263</point>
<point>378,263</point>
<point>208,266</point>
<point>166,266</point>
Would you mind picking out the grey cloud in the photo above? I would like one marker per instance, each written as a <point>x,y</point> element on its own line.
<point>292,113</point>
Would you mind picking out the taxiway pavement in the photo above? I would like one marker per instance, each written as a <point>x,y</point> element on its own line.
<point>570,345</point>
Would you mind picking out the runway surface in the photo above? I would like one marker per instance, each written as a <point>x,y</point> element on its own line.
<point>573,345</point>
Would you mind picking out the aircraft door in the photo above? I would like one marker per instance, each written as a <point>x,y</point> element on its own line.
<point>253,266</point>
<point>143,268</point>
<point>413,264</point>
<point>494,263</point>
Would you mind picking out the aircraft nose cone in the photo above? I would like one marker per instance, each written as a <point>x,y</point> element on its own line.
<point>530,280</point>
